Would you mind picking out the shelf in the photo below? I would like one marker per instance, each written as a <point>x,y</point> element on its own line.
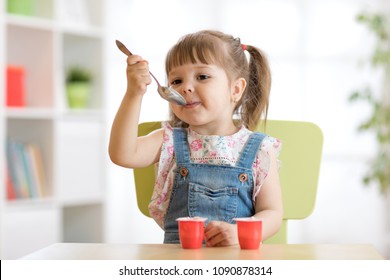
<point>83,223</point>
<point>80,13</point>
<point>44,45</point>
<point>82,114</point>
<point>86,31</point>
<point>25,230</point>
<point>79,143</point>
<point>33,49</point>
<point>79,50</point>
<point>31,113</point>
<point>91,200</point>
<point>52,114</point>
<point>30,203</point>
<point>30,22</point>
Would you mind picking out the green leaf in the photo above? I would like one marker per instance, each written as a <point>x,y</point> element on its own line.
<point>378,122</point>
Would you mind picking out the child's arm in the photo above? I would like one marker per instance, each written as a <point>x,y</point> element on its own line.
<point>269,203</point>
<point>126,148</point>
<point>268,207</point>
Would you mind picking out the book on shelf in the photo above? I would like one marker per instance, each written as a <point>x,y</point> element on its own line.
<point>10,187</point>
<point>16,169</point>
<point>37,171</point>
<point>26,171</point>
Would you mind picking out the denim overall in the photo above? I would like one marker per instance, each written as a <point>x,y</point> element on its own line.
<point>218,192</point>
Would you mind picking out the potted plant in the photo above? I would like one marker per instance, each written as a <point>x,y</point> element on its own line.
<point>78,87</point>
<point>379,120</point>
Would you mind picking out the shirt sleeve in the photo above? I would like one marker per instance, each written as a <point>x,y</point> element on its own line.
<point>263,161</point>
<point>161,192</point>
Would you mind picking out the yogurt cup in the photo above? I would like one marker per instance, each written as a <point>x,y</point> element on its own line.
<point>249,232</point>
<point>191,232</point>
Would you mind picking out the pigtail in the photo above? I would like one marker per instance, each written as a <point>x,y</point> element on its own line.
<point>255,101</point>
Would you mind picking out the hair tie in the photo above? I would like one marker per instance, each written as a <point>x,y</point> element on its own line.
<point>244,47</point>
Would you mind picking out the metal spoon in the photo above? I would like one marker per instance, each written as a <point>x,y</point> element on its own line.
<point>166,93</point>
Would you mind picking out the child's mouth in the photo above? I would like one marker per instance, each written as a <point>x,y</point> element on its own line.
<point>191,105</point>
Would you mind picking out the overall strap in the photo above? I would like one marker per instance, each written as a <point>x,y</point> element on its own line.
<point>180,143</point>
<point>249,152</point>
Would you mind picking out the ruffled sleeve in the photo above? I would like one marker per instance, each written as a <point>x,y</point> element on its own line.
<point>163,183</point>
<point>263,161</point>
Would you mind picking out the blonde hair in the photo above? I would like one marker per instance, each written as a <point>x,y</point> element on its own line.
<point>214,47</point>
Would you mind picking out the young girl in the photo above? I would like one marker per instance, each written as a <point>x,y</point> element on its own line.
<point>209,162</point>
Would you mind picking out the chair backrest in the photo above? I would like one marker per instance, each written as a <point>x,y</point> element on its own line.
<point>299,173</point>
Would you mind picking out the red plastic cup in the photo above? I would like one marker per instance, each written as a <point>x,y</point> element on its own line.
<point>249,232</point>
<point>191,232</point>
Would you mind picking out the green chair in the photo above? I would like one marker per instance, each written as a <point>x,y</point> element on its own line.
<point>300,167</point>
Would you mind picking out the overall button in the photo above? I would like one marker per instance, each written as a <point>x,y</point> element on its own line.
<point>243,177</point>
<point>183,171</point>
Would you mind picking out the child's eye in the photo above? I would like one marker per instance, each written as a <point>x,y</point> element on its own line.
<point>203,77</point>
<point>176,82</point>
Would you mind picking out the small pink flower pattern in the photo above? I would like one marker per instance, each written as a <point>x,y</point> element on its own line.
<point>196,145</point>
<point>208,150</point>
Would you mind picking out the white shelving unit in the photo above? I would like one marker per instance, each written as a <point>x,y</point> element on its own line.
<point>55,35</point>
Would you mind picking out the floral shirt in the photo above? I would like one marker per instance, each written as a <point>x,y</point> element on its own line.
<point>208,149</point>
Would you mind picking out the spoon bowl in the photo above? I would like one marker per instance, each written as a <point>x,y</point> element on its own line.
<point>166,93</point>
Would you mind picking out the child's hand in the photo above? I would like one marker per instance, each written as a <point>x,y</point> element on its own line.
<point>219,234</point>
<point>138,76</point>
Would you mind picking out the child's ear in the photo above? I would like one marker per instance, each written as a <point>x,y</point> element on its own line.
<point>238,88</point>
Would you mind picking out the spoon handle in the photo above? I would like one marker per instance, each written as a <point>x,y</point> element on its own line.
<point>126,51</point>
<point>154,78</point>
<point>123,48</point>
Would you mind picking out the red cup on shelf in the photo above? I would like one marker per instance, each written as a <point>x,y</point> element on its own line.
<point>249,232</point>
<point>15,86</point>
<point>191,232</point>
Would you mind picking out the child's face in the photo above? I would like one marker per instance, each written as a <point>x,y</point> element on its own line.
<point>210,97</point>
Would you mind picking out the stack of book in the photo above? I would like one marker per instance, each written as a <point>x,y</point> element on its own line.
<point>25,171</point>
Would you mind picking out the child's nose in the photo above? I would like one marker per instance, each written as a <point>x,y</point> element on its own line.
<point>188,90</point>
<point>187,87</point>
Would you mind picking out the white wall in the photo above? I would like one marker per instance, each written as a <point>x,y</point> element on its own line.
<point>314,48</point>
